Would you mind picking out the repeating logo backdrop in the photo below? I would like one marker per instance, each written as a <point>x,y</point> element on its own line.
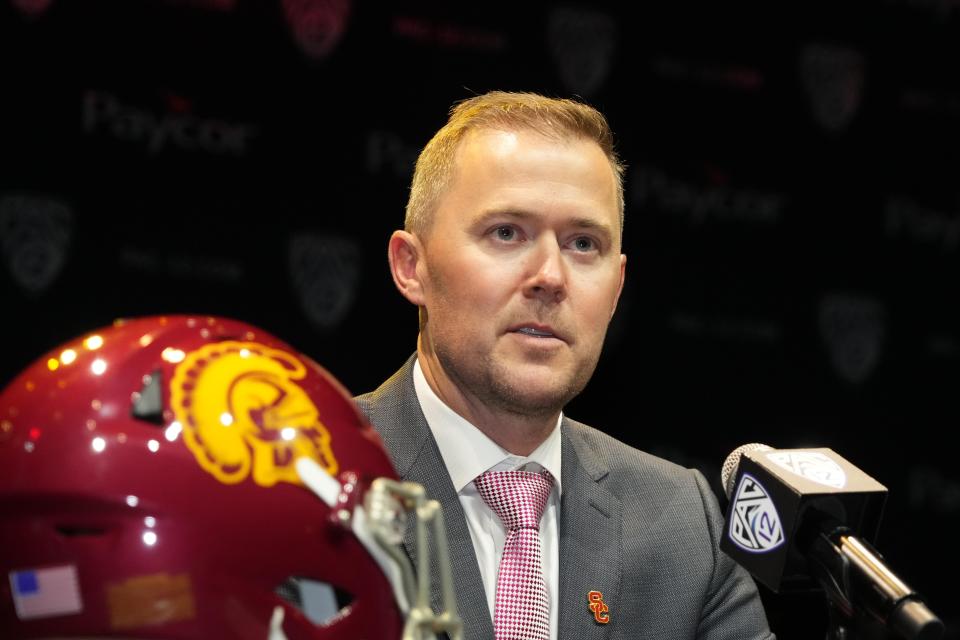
<point>793,214</point>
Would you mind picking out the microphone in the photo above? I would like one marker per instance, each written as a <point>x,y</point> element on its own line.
<point>799,519</point>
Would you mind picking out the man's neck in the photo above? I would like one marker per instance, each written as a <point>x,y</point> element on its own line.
<point>517,433</point>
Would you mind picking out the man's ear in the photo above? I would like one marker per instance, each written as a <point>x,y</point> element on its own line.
<point>623,273</point>
<point>405,253</point>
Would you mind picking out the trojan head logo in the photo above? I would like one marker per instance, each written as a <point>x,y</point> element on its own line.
<point>242,411</point>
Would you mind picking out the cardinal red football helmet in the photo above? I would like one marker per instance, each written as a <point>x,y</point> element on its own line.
<point>152,486</point>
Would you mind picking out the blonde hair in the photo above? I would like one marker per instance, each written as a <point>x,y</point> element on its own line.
<point>551,117</point>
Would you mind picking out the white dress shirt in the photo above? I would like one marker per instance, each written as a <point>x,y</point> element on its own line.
<point>468,452</point>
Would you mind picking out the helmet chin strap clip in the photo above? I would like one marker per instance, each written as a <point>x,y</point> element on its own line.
<point>380,523</point>
<point>276,625</point>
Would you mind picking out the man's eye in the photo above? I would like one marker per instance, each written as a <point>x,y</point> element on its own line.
<point>584,244</point>
<point>506,233</point>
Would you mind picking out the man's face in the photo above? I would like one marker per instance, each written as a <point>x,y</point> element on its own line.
<point>521,270</point>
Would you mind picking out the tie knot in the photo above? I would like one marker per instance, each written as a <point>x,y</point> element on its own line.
<point>517,497</point>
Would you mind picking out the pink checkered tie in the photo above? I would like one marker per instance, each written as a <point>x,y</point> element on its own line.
<point>521,608</point>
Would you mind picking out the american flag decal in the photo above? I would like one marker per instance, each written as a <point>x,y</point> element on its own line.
<point>47,592</point>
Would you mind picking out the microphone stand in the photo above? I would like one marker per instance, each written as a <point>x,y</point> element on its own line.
<point>851,572</point>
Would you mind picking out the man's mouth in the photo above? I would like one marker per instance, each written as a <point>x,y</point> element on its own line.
<point>530,331</point>
<point>537,331</point>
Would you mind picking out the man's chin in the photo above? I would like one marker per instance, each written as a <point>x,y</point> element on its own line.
<point>534,395</point>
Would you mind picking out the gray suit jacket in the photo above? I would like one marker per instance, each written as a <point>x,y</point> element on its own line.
<point>641,530</point>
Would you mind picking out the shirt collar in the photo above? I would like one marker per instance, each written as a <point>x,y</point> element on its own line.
<point>468,452</point>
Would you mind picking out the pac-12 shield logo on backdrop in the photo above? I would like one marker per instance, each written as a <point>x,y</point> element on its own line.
<point>244,414</point>
<point>853,330</point>
<point>833,78</point>
<point>326,273</point>
<point>317,26</point>
<point>754,523</point>
<point>582,42</point>
<point>35,234</point>
<point>32,8</point>
<point>812,465</point>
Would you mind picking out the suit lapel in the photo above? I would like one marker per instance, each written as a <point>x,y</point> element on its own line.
<point>396,413</point>
<point>591,544</point>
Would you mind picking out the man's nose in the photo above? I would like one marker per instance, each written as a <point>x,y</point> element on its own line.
<point>548,275</point>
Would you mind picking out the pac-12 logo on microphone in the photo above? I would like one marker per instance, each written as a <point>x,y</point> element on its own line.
<point>811,465</point>
<point>754,522</point>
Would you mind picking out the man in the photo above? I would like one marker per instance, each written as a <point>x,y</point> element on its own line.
<point>512,253</point>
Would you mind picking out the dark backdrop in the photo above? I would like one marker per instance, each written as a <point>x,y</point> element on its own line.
<point>792,227</point>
